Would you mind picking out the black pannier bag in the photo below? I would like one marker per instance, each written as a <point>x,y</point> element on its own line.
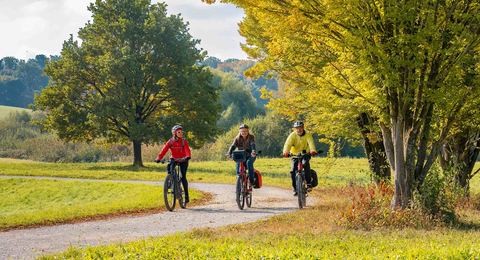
<point>314,177</point>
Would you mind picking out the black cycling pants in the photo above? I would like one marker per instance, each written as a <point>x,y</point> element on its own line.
<point>306,167</point>
<point>183,169</point>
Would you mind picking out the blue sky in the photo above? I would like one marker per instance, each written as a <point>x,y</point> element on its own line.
<point>35,27</point>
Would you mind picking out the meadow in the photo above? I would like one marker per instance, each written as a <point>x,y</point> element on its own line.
<point>315,232</point>
<point>311,233</point>
<point>5,111</point>
<point>37,202</point>
<point>275,172</point>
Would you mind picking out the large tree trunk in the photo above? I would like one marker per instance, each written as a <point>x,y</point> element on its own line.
<point>374,149</point>
<point>402,196</point>
<point>459,155</point>
<point>137,153</point>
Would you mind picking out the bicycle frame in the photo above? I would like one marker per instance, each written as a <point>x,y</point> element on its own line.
<point>174,178</point>
<point>243,189</point>
<point>301,185</point>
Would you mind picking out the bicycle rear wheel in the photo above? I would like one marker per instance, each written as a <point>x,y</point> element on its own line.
<point>240,198</point>
<point>301,191</point>
<point>169,192</point>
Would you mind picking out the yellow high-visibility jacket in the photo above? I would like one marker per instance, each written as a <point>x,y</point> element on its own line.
<point>295,143</point>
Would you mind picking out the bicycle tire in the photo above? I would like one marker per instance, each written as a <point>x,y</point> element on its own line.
<point>300,191</point>
<point>240,198</point>
<point>169,192</point>
<point>248,196</point>
<point>181,197</point>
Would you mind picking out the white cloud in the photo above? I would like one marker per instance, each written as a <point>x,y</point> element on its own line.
<point>40,27</point>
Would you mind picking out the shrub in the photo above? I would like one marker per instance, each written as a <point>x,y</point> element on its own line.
<point>370,208</point>
<point>439,195</point>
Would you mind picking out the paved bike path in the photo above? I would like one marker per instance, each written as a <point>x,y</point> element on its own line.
<point>33,242</point>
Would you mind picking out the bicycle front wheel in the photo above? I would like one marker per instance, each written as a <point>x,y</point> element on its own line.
<point>240,198</point>
<point>169,192</point>
<point>248,194</point>
<point>181,195</point>
<point>301,190</point>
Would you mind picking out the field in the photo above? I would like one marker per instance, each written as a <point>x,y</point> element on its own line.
<point>331,172</point>
<point>30,202</point>
<point>311,233</point>
<point>306,234</point>
<point>5,111</point>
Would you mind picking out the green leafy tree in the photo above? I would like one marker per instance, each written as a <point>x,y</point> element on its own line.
<point>236,100</point>
<point>133,76</point>
<point>410,65</point>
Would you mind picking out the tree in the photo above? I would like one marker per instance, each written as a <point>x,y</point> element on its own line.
<point>410,65</point>
<point>460,151</point>
<point>132,77</point>
<point>236,100</point>
<point>20,80</point>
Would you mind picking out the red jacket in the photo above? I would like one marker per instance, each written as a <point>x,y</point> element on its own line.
<point>178,146</point>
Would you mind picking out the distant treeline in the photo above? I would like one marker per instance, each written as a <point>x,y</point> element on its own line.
<point>20,80</point>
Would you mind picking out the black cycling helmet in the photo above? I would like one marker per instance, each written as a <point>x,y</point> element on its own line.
<point>175,128</point>
<point>242,126</point>
<point>298,124</point>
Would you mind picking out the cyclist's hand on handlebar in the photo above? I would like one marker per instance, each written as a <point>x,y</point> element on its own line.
<point>286,154</point>
<point>160,161</point>
<point>313,153</point>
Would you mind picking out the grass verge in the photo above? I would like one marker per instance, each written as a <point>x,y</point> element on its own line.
<point>305,234</point>
<point>28,202</point>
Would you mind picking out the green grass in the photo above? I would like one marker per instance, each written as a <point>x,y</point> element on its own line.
<point>345,244</point>
<point>331,172</point>
<point>27,202</point>
<point>310,233</point>
<point>5,111</point>
<point>306,234</point>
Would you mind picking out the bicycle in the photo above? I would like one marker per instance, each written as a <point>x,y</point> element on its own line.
<point>300,180</point>
<point>243,191</point>
<point>172,187</point>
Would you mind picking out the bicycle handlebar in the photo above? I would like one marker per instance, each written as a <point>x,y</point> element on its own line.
<point>162,161</point>
<point>303,153</point>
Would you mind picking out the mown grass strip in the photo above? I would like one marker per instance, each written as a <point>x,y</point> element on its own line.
<point>27,202</point>
<point>331,172</point>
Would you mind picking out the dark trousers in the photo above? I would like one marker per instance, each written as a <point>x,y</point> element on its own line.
<point>183,169</point>
<point>306,167</point>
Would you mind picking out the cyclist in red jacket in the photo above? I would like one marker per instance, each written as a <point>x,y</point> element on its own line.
<point>180,152</point>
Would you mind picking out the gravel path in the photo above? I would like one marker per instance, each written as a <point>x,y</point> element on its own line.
<point>29,243</point>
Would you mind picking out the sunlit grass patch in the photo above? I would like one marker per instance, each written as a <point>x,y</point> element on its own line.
<point>27,202</point>
<point>331,172</point>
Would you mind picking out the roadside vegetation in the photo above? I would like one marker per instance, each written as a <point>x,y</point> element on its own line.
<point>316,232</point>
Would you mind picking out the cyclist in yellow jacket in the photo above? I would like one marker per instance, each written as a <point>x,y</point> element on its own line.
<point>297,142</point>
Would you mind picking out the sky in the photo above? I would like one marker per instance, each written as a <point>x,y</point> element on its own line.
<point>31,27</point>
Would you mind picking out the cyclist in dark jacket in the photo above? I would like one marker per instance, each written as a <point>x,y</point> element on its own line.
<point>245,141</point>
